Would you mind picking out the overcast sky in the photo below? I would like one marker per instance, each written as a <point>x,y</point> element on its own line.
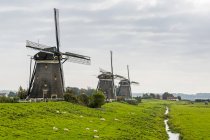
<point>165,42</point>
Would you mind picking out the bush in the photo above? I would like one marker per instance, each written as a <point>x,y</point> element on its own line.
<point>83,99</point>
<point>4,99</point>
<point>69,97</point>
<point>97,99</point>
<point>138,98</point>
<point>120,99</point>
<point>132,102</point>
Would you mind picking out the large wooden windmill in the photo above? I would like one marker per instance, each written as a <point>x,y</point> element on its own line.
<point>47,79</point>
<point>124,89</point>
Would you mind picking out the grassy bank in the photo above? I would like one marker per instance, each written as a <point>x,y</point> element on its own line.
<point>192,121</point>
<point>122,121</point>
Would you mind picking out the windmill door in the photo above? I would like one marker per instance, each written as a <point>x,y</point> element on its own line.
<point>44,93</point>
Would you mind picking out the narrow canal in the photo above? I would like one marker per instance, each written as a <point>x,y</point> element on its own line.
<point>172,136</point>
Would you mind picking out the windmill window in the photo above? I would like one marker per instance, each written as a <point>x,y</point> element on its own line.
<point>55,77</point>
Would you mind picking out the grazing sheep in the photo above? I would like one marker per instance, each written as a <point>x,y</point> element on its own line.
<point>102,119</point>
<point>81,116</point>
<point>55,128</point>
<point>87,128</point>
<point>57,111</point>
<point>64,112</point>
<point>96,136</point>
<point>95,130</point>
<point>116,119</point>
<point>66,129</point>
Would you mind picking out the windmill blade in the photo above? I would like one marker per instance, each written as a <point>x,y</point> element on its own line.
<point>40,47</point>
<point>119,77</point>
<point>57,35</point>
<point>102,70</point>
<point>57,28</point>
<point>133,82</point>
<point>76,58</point>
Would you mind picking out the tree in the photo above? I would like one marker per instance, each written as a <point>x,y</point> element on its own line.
<point>179,97</point>
<point>97,99</point>
<point>152,95</point>
<point>22,94</point>
<point>83,99</point>
<point>72,90</point>
<point>12,94</point>
<point>157,96</point>
<point>69,97</point>
<point>166,95</point>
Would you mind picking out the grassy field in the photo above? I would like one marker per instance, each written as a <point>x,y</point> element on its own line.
<point>112,121</point>
<point>192,121</point>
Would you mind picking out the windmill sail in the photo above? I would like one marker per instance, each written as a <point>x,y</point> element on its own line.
<point>76,58</point>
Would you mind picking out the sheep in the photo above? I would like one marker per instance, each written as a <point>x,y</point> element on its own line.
<point>87,128</point>
<point>96,136</point>
<point>55,128</point>
<point>57,111</point>
<point>95,130</point>
<point>66,129</point>
<point>102,119</point>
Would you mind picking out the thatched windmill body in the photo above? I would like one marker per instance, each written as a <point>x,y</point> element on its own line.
<point>124,89</point>
<point>47,79</point>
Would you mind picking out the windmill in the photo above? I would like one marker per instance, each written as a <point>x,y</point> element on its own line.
<point>106,82</point>
<point>47,79</point>
<point>124,89</point>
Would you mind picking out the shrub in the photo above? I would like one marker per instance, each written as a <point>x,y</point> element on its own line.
<point>138,98</point>
<point>132,102</point>
<point>69,97</point>
<point>4,99</point>
<point>120,99</point>
<point>83,99</point>
<point>97,99</point>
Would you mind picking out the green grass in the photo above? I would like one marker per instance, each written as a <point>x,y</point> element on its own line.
<point>36,121</point>
<point>192,121</point>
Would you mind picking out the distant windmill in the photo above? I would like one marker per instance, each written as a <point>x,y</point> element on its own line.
<point>124,89</point>
<point>47,79</point>
<point>106,82</point>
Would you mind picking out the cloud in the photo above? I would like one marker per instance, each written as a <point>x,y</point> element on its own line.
<point>166,43</point>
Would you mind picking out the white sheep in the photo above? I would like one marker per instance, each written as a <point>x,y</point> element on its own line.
<point>66,129</point>
<point>102,119</point>
<point>55,128</point>
<point>95,130</point>
<point>87,128</point>
<point>96,136</point>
